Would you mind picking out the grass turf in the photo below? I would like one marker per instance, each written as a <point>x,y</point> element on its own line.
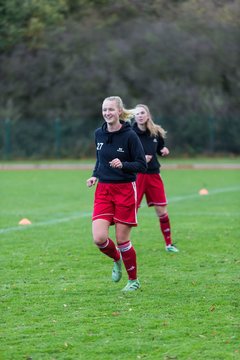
<point>57,298</point>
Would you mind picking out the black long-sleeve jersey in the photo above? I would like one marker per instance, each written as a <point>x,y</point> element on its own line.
<point>152,145</point>
<point>123,144</point>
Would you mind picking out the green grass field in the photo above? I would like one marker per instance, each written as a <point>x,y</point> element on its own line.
<point>57,298</point>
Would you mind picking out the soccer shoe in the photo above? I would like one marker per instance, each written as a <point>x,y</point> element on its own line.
<point>172,248</point>
<point>117,270</point>
<point>132,285</point>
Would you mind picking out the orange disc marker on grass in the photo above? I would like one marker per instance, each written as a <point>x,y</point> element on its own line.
<point>203,192</point>
<point>24,221</point>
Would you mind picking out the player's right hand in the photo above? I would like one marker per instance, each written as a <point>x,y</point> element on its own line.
<point>148,158</point>
<point>91,181</point>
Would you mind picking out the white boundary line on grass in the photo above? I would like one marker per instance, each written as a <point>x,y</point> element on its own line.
<point>212,192</point>
<point>88,214</point>
<point>48,222</point>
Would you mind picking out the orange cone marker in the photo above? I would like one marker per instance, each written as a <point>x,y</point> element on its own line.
<point>24,221</point>
<point>203,192</point>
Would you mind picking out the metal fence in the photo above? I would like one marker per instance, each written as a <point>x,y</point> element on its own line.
<point>60,138</point>
<point>45,139</point>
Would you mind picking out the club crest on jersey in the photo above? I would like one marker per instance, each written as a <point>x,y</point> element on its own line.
<point>120,149</point>
<point>154,140</point>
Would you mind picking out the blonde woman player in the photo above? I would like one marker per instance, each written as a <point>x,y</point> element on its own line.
<point>120,156</point>
<point>150,184</point>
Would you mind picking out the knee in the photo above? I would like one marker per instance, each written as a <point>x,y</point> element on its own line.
<point>99,238</point>
<point>99,232</point>
<point>163,214</point>
<point>161,211</point>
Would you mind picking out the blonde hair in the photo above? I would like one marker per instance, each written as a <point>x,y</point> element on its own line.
<point>126,115</point>
<point>154,129</point>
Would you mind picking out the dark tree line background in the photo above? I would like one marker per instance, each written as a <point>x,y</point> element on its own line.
<point>59,59</point>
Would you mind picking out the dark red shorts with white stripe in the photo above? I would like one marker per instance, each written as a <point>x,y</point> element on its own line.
<point>116,203</point>
<point>151,185</point>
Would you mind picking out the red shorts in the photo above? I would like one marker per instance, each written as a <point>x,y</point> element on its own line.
<point>116,203</point>
<point>151,185</point>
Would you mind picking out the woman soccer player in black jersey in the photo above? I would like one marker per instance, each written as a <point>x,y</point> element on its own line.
<point>150,184</point>
<point>120,156</point>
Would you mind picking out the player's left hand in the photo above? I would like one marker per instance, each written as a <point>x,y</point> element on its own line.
<point>116,163</point>
<point>165,151</point>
